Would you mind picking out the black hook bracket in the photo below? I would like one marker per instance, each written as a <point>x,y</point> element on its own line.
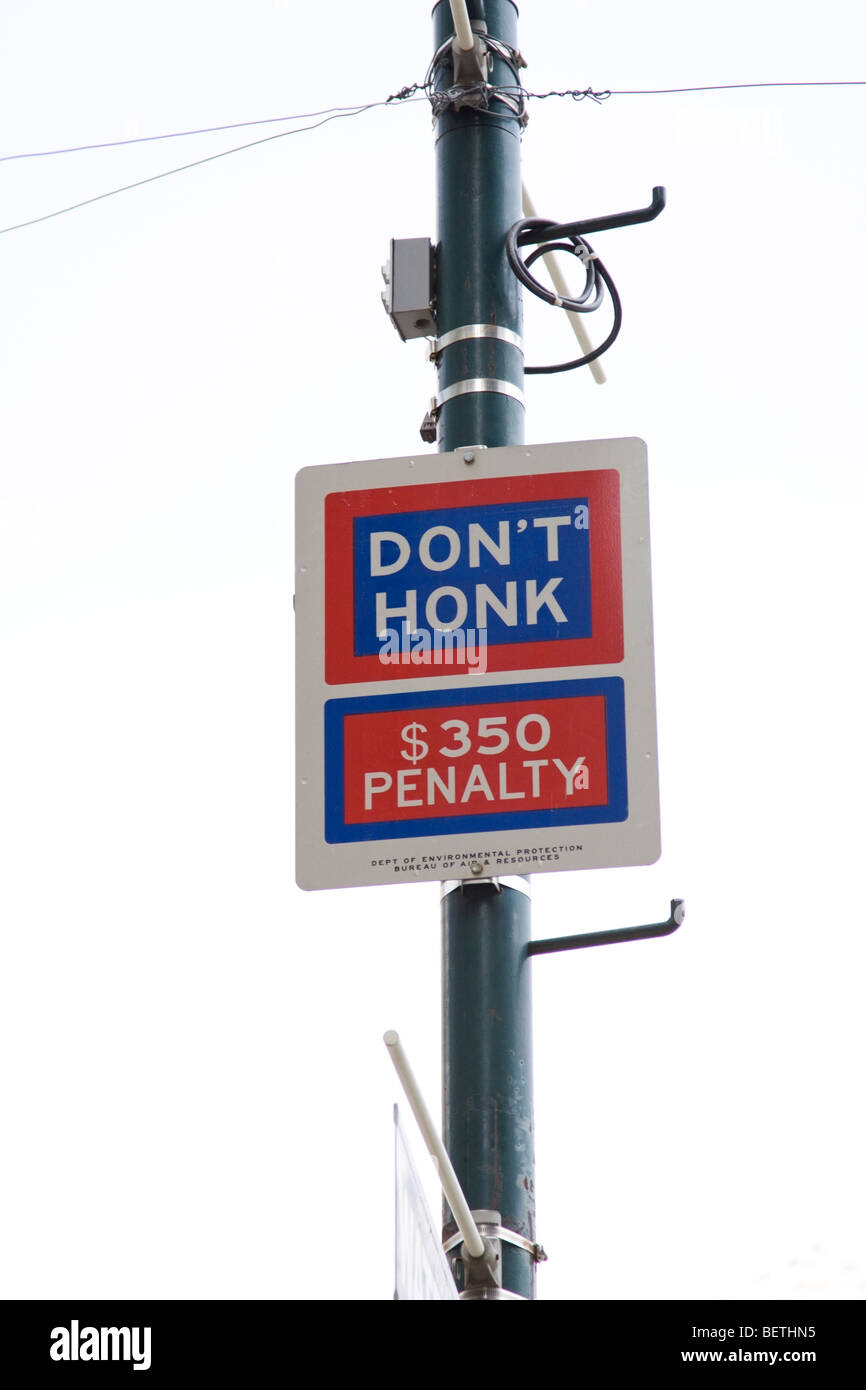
<point>610,938</point>
<point>554,231</point>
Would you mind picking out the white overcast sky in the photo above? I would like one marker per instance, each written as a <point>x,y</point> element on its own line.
<point>196,1100</point>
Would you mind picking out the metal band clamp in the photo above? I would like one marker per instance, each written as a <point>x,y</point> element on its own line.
<point>476,330</point>
<point>493,1231</point>
<point>474,384</point>
<point>474,1295</point>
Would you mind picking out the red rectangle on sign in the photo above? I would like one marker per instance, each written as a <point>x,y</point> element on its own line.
<point>527,602</point>
<point>467,760</point>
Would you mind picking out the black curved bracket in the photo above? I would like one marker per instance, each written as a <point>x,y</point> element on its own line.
<point>554,231</point>
<point>610,938</point>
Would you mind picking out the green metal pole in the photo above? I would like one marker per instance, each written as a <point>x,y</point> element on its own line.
<point>487,1010</point>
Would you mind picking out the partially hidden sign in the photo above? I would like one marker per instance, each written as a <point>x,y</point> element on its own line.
<point>474,665</point>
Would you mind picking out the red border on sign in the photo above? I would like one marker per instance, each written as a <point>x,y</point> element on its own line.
<point>599,486</point>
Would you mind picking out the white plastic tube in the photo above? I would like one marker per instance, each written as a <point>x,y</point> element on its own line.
<point>472,1238</point>
<point>561,286</point>
<point>462,27</point>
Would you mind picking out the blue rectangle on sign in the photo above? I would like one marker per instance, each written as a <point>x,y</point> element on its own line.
<point>518,570</point>
<point>507,757</point>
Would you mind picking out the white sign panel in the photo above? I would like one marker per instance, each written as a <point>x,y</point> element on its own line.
<point>421,1272</point>
<point>474,685</point>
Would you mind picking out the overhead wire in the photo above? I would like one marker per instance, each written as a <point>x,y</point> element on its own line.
<point>403,96</point>
<point>406,93</point>
<point>730,87</point>
<point>581,93</point>
<point>337,114</point>
<point>329,111</point>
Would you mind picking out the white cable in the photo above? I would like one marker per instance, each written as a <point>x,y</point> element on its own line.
<point>462,27</point>
<point>561,286</point>
<point>472,1238</point>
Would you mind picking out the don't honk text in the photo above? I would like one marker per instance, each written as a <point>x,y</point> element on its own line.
<point>519,571</point>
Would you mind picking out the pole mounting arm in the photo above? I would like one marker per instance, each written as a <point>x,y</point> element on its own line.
<point>554,231</point>
<point>610,938</point>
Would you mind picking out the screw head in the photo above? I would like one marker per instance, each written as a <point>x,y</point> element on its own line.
<point>476,868</point>
<point>469,457</point>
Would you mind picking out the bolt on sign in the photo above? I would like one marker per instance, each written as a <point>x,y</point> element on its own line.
<point>474,691</point>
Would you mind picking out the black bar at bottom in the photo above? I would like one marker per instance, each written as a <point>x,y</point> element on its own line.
<point>238,1343</point>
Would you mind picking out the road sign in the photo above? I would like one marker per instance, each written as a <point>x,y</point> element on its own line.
<point>422,1272</point>
<point>474,665</point>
